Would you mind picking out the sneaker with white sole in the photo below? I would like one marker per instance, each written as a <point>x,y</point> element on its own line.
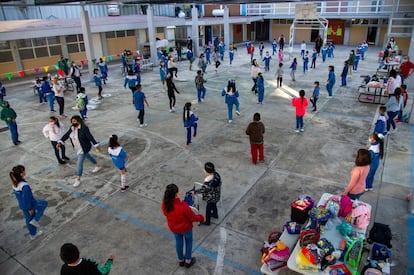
<point>143,125</point>
<point>230,121</point>
<point>297,130</point>
<point>34,223</point>
<point>301,129</point>
<point>237,113</point>
<point>38,233</point>
<point>96,169</point>
<point>76,183</point>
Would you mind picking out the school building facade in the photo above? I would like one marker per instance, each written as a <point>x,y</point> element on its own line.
<point>33,46</point>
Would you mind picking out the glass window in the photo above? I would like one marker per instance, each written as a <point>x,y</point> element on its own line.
<point>82,47</point>
<point>6,56</point>
<point>4,45</point>
<point>41,52</point>
<point>110,35</point>
<point>130,32</point>
<point>71,38</point>
<point>24,43</point>
<point>53,40</point>
<point>120,34</point>
<point>160,30</point>
<point>80,37</point>
<point>26,54</point>
<point>55,50</point>
<point>73,48</point>
<point>39,41</point>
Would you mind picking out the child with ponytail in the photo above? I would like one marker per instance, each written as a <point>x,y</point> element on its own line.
<point>32,208</point>
<point>300,103</point>
<point>190,120</point>
<point>119,158</point>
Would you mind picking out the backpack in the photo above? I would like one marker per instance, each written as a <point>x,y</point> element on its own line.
<point>371,268</point>
<point>360,216</point>
<point>353,252</point>
<point>308,236</point>
<point>380,233</point>
<point>80,103</point>
<point>345,206</point>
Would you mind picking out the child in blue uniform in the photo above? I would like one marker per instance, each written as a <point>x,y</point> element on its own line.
<point>98,82</point>
<point>189,120</point>
<point>119,158</point>
<point>231,98</point>
<point>266,60</point>
<point>32,208</point>
<point>305,62</point>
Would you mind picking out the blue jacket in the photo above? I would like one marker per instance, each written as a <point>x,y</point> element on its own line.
<point>24,196</point>
<point>345,70</point>
<point>103,67</point>
<point>139,97</point>
<point>380,125</point>
<point>260,85</point>
<point>131,80</point>
<point>97,79</point>
<point>316,92</point>
<point>84,136</point>
<point>118,156</point>
<point>191,120</point>
<point>331,78</point>
<point>46,87</point>
<point>230,98</point>
<point>266,60</point>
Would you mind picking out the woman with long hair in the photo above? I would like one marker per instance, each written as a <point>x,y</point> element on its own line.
<point>54,131</point>
<point>180,220</point>
<point>356,185</point>
<point>32,208</point>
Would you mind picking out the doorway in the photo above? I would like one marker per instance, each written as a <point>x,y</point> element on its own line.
<point>262,30</point>
<point>314,34</point>
<point>371,35</point>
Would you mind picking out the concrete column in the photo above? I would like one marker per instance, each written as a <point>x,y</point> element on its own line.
<point>87,39</point>
<point>411,48</point>
<point>151,35</point>
<point>194,30</point>
<point>65,51</point>
<point>271,30</point>
<point>104,44</point>
<point>16,55</point>
<point>226,26</point>
<point>244,30</point>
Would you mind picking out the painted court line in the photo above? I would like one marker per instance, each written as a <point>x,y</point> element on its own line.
<point>168,235</point>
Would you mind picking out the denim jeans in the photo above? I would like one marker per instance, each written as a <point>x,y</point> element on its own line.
<point>230,109</point>
<point>343,80</point>
<point>186,237</point>
<point>201,93</point>
<point>329,87</point>
<point>81,158</point>
<point>13,131</point>
<point>299,122</point>
<point>38,213</point>
<point>390,120</point>
<point>189,133</point>
<point>375,161</point>
<point>51,99</point>
<point>355,196</point>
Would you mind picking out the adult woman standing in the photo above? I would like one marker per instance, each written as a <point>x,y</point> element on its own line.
<point>211,192</point>
<point>356,185</point>
<point>32,208</point>
<point>82,141</point>
<point>351,61</point>
<point>54,132</point>
<point>180,220</point>
<point>59,95</point>
<point>393,82</point>
<point>254,72</point>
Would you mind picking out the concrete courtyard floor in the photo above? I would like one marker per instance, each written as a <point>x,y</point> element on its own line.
<point>256,199</point>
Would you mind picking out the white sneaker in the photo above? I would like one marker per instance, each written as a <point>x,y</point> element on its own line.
<point>230,121</point>
<point>39,232</point>
<point>76,183</point>
<point>173,108</point>
<point>143,125</point>
<point>297,130</point>
<point>34,223</point>
<point>302,129</point>
<point>96,169</point>
<point>237,113</point>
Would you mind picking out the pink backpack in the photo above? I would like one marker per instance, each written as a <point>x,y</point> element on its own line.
<point>345,206</point>
<point>360,216</point>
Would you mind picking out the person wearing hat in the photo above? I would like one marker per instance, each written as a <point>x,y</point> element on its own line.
<point>9,116</point>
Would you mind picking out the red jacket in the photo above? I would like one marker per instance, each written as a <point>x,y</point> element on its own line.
<point>300,107</point>
<point>181,218</point>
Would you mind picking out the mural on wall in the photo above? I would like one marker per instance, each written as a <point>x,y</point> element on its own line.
<point>335,31</point>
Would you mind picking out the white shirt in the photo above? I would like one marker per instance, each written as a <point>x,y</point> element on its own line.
<point>53,132</point>
<point>75,140</point>
<point>58,90</point>
<point>303,46</point>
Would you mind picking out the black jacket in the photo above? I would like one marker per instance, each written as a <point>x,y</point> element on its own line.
<point>85,138</point>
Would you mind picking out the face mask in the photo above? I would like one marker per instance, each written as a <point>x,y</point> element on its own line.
<point>51,123</point>
<point>75,124</point>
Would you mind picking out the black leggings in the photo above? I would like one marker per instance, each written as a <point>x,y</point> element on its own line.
<point>62,148</point>
<point>61,102</point>
<point>173,69</point>
<point>172,100</point>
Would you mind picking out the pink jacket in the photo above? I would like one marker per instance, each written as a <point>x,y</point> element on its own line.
<point>357,182</point>
<point>300,106</point>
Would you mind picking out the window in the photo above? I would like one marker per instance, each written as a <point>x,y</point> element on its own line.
<point>120,34</point>
<point>75,43</point>
<point>110,35</point>
<point>5,52</point>
<point>130,33</point>
<point>39,47</point>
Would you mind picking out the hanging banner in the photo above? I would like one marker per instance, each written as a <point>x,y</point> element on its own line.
<point>339,31</point>
<point>93,61</point>
<point>46,68</point>
<point>104,58</point>
<point>61,72</point>
<point>329,31</point>
<point>9,76</point>
<point>110,58</point>
<point>36,70</point>
<point>83,62</point>
<point>21,73</point>
<point>57,67</point>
